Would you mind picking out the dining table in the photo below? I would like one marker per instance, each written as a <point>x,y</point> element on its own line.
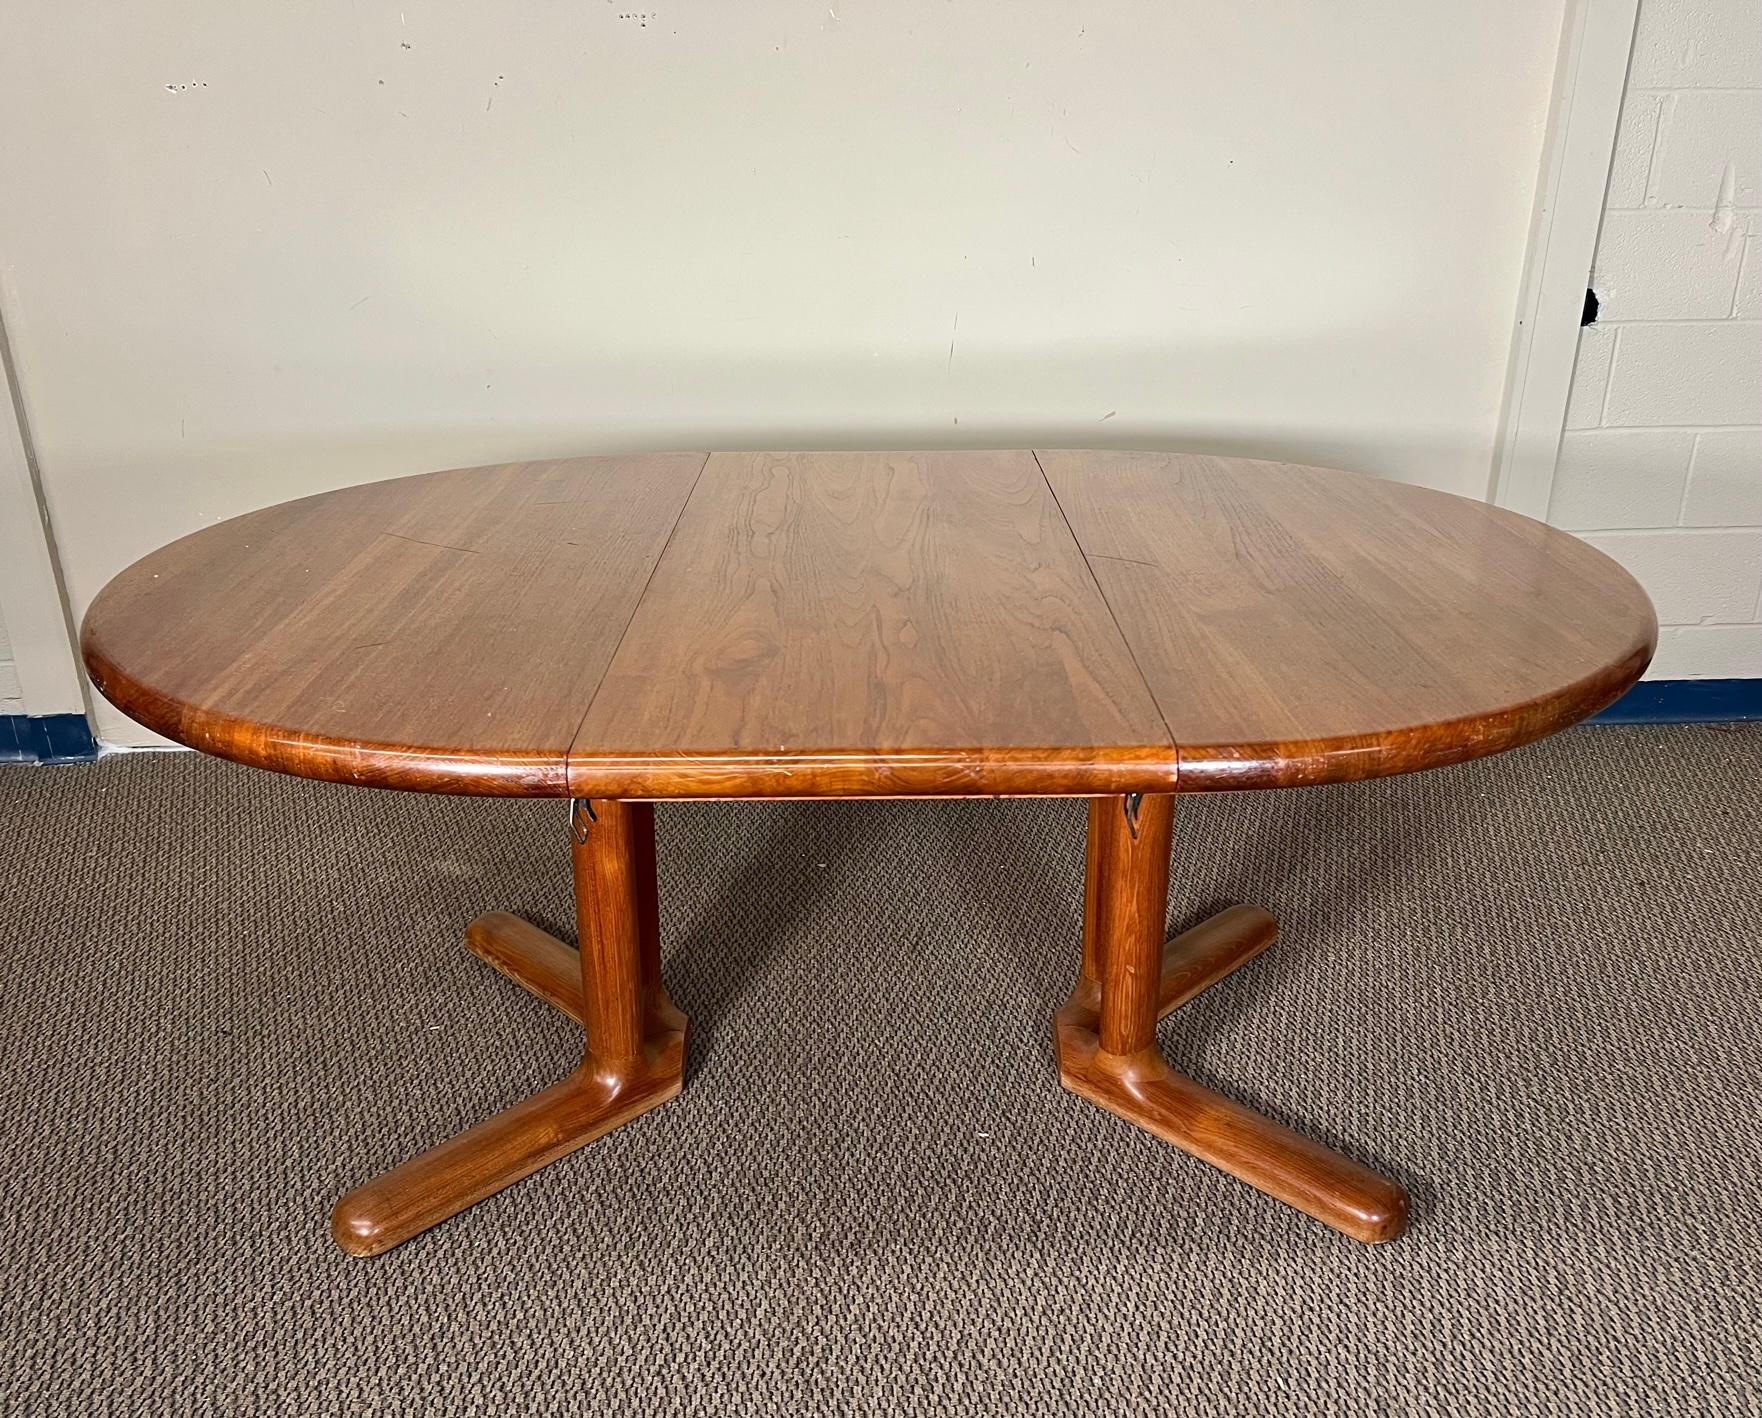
<point>622,631</point>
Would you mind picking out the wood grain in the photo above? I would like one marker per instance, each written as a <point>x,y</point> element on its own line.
<point>634,1048</point>
<point>1200,956</point>
<point>867,624</point>
<point>870,623</point>
<point>1131,910</point>
<point>544,965</point>
<point>1192,961</point>
<point>1106,1033</point>
<point>1298,625</point>
<point>533,959</point>
<point>498,1152</point>
<point>1299,1171</point>
<point>842,625</point>
<point>441,632</point>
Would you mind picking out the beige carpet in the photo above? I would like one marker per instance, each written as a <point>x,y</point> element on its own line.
<point>1529,988</point>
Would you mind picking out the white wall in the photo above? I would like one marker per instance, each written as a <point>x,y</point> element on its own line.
<point>39,672</point>
<point>11,694</point>
<point>247,252</point>
<point>1661,464</point>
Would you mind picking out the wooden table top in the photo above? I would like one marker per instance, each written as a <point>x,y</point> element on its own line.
<point>854,624</point>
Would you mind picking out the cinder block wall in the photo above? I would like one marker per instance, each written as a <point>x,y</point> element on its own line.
<point>1661,464</point>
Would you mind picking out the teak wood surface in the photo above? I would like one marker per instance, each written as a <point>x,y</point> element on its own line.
<point>861,624</point>
<point>624,629</point>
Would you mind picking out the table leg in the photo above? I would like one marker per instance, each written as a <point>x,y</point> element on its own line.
<point>1106,1033</point>
<point>635,1047</point>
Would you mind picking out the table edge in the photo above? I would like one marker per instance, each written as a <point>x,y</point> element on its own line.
<point>956,772</point>
<point>870,773</point>
<point>878,772</point>
<point>417,768</point>
<point>1230,767</point>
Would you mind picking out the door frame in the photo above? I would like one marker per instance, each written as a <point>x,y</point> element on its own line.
<point>1590,78</point>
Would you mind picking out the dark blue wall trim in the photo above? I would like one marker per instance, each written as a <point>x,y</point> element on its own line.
<point>1686,701</point>
<point>46,738</point>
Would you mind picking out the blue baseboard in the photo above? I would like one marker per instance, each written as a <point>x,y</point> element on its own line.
<point>46,738</point>
<point>1686,701</point>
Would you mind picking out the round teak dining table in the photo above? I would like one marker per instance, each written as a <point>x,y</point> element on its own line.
<point>619,631</point>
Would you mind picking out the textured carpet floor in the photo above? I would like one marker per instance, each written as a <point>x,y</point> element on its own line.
<point>1530,988</point>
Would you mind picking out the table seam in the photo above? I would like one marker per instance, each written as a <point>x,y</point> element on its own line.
<point>642,595</point>
<point>1120,630</point>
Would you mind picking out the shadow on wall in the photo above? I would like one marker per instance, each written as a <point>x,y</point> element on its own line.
<point>124,487</point>
<point>120,490</point>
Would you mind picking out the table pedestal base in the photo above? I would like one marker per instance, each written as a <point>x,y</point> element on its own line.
<point>1105,1034</point>
<point>635,1055</point>
<point>635,1038</point>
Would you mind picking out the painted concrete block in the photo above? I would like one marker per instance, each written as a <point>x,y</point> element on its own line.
<point>1609,478</point>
